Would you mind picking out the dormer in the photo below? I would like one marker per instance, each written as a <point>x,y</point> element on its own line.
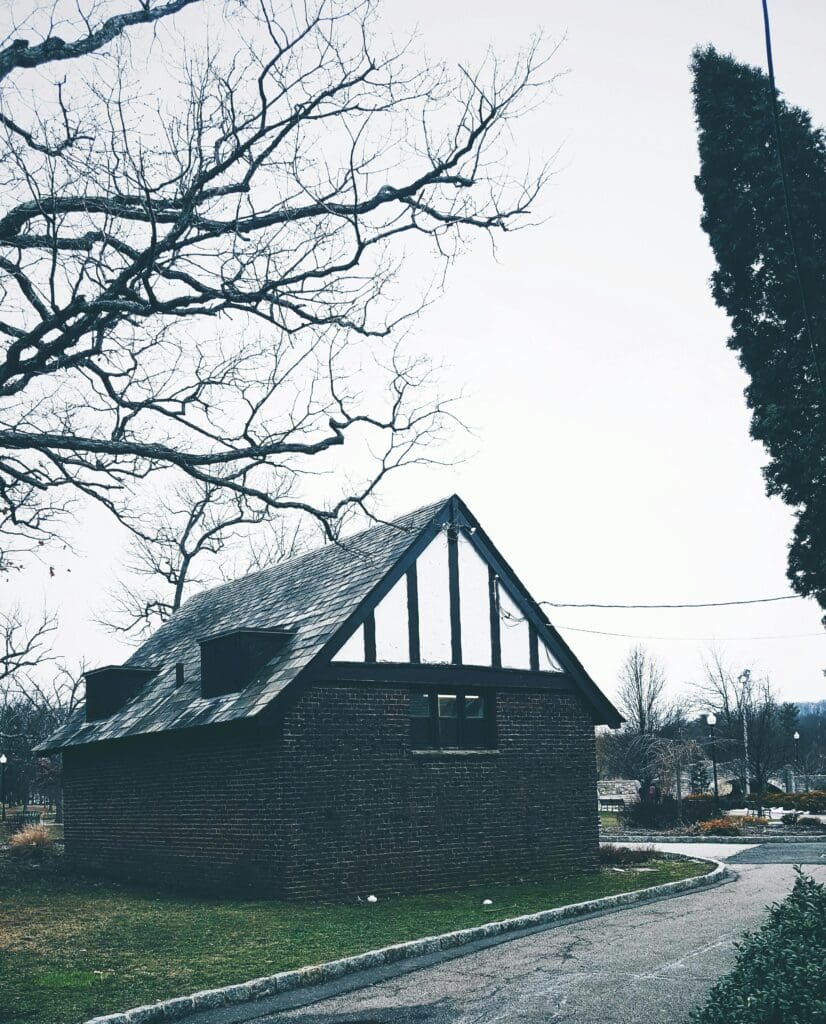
<point>230,660</point>
<point>108,689</point>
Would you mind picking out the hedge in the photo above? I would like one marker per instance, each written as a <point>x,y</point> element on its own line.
<point>813,802</point>
<point>667,813</point>
<point>779,975</point>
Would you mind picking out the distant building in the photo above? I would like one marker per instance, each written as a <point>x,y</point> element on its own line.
<point>610,791</point>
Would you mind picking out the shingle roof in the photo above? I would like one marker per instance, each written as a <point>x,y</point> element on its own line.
<point>312,595</point>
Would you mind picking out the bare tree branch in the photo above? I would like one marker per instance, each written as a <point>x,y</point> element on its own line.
<point>199,277</point>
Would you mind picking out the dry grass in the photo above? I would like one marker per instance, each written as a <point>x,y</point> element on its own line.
<point>33,841</point>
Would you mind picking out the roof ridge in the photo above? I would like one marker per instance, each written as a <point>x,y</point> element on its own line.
<point>314,552</point>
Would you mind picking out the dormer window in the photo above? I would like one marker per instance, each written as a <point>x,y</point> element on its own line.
<point>229,661</point>
<point>109,689</point>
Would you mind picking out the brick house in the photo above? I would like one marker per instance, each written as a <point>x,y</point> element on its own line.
<point>394,712</point>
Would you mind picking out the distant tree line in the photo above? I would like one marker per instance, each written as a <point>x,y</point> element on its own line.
<point>667,745</point>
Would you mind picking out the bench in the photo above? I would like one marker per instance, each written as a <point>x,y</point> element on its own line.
<point>611,803</point>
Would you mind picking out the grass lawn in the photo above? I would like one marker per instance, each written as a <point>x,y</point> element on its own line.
<point>608,819</point>
<point>72,949</point>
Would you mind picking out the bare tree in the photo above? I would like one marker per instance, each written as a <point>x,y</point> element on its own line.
<point>153,211</point>
<point>753,726</point>
<point>25,645</point>
<point>641,692</point>
<point>198,536</point>
<point>36,694</point>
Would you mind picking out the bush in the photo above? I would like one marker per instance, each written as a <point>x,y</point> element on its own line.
<point>720,827</point>
<point>814,802</point>
<point>610,854</point>
<point>791,818</point>
<point>815,824</point>
<point>754,821</point>
<point>31,842</point>
<point>698,808</point>
<point>648,814</point>
<point>778,976</point>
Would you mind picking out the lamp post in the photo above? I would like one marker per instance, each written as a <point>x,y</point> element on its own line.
<point>796,739</point>
<point>3,762</point>
<point>711,721</point>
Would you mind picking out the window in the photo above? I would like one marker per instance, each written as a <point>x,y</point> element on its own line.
<point>453,720</point>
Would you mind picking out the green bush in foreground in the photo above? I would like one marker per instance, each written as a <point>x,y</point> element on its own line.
<point>779,975</point>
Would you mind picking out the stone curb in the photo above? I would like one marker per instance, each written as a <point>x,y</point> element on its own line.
<point>303,977</point>
<point>746,840</point>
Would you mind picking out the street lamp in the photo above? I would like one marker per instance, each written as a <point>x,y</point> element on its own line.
<point>796,739</point>
<point>711,721</point>
<point>3,763</point>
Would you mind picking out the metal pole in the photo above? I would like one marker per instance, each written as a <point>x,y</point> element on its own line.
<point>746,753</point>
<point>714,764</point>
<point>796,762</point>
<point>3,786</point>
<point>744,679</point>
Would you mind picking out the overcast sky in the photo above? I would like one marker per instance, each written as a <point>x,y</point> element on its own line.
<point>612,461</point>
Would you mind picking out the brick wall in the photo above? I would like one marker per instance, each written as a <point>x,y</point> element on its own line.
<point>190,808</point>
<point>332,800</point>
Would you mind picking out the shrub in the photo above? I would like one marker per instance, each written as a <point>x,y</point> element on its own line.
<point>814,801</point>
<point>698,808</point>
<point>754,821</point>
<point>791,818</point>
<point>815,824</point>
<point>31,842</point>
<point>610,854</point>
<point>778,974</point>
<point>648,814</point>
<point>720,827</point>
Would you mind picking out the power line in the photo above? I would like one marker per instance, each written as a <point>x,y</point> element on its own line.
<point>692,639</point>
<point>696,604</point>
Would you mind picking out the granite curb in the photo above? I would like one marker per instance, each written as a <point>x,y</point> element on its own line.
<point>305,977</point>
<point>745,840</point>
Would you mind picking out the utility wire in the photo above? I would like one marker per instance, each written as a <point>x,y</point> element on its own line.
<point>781,159</point>
<point>691,639</point>
<point>698,604</point>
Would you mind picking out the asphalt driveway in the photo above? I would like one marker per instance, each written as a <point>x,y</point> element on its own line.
<point>646,965</point>
<point>781,853</point>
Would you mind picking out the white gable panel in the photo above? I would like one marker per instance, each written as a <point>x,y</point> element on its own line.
<point>547,662</point>
<point>474,605</point>
<point>353,648</point>
<point>514,634</point>
<point>434,602</point>
<point>392,636</point>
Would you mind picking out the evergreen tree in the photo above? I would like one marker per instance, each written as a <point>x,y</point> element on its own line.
<point>756,282</point>
<point>699,780</point>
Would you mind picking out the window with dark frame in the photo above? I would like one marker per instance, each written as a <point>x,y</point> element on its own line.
<point>444,719</point>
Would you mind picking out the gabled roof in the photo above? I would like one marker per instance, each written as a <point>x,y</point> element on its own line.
<point>319,598</point>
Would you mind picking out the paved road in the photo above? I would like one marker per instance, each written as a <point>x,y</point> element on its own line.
<point>646,965</point>
<point>781,853</point>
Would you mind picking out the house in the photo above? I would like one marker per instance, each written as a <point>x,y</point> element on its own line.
<point>613,794</point>
<point>390,713</point>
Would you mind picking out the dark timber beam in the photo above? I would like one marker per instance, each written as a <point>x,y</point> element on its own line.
<point>495,637</point>
<point>370,638</point>
<point>413,614</point>
<point>393,674</point>
<point>455,611</point>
